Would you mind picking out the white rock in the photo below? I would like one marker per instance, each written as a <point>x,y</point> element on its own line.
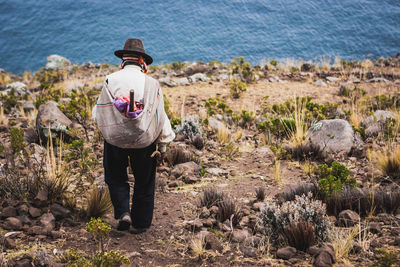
<point>320,83</point>
<point>56,62</point>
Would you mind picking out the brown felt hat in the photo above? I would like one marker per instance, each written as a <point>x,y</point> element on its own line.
<point>134,46</point>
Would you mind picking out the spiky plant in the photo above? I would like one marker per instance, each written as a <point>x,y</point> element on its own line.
<point>210,197</point>
<point>300,235</point>
<point>260,193</point>
<point>228,210</point>
<point>307,152</point>
<point>98,202</point>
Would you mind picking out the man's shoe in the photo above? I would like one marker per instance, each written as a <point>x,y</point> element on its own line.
<point>136,231</point>
<point>124,222</point>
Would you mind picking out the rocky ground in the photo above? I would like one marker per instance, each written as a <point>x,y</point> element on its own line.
<point>235,150</point>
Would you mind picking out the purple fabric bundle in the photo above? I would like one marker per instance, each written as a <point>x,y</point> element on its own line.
<point>123,107</point>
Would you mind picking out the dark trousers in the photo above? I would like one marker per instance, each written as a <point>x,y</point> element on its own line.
<point>115,163</point>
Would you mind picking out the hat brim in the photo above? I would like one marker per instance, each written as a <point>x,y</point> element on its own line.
<point>148,59</point>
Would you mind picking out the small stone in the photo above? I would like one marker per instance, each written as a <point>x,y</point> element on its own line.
<point>173,184</point>
<point>257,206</point>
<point>9,243</point>
<point>23,209</point>
<point>59,211</point>
<point>333,79</point>
<point>41,198</point>
<point>214,210</point>
<point>193,225</point>
<point>286,253</point>
<point>190,180</point>
<point>55,234</point>
<point>213,243</point>
<point>313,250</point>
<point>8,212</point>
<point>209,222</point>
<point>397,241</point>
<point>253,241</point>
<point>248,252</point>
<point>48,222</point>
<point>375,228</point>
<point>239,236</point>
<point>24,220</point>
<point>12,223</point>
<point>348,218</point>
<point>323,259</point>
<point>320,83</point>
<point>205,213</point>
<point>34,212</point>
<point>35,230</point>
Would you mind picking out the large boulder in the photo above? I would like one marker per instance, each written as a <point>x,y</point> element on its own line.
<point>334,137</point>
<point>50,117</point>
<point>198,77</point>
<point>55,62</point>
<point>376,123</point>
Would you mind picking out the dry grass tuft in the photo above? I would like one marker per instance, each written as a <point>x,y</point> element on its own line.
<point>388,162</point>
<point>307,151</point>
<point>3,117</point>
<point>277,171</point>
<point>98,202</point>
<point>290,193</point>
<point>223,135</point>
<point>198,247</point>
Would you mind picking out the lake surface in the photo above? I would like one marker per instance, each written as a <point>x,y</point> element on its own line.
<point>190,30</point>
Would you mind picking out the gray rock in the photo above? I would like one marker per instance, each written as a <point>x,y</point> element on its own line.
<point>375,228</point>
<point>34,212</point>
<point>213,243</point>
<point>320,83</point>
<point>286,253</point>
<point>215,124</point>
<point>8,212</point>
<point>167,81</point>
<point>348,218</point>
<point>376,123</point>
<point>223,77</point>
<point>205,213</point>
<point>257,206</point>
<point>188,168</point>
<point>12,223</point>
<point>193,225</point>
<point>334,136</point>
<point>19,89</point>
<point>41,198</point>
<point>182,81</point>
<point>333,79</point>
<point>59,211</point>
<point>239,236</point>
<point>325,256</point>
<point>217,172</point>
<point>253,241</point>
<point>198,77</point>
<point>48,222</point>
<point>28,106</point>
<point>50,117</point>
<point>55,62</point>
<point>378,80</point>
<point>190,179</point>
<point>323,259</point>
<point>249,252</point>
<point>23,209</point>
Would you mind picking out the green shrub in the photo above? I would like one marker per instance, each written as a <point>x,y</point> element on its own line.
<point>237,87</point>
<point>333,178</point>
<point>109,259</point>
<point>74,258</point>
<point>16,139</point>
<point>99,230</point>
<point>217,105</point>
<point>9,100</point>
<point>273,62</point>
<point>387,258</point>
<point>243,68</point>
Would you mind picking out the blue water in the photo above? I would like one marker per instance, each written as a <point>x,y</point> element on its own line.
<point>193,30</point>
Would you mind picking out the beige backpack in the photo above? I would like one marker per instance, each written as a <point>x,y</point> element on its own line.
<point>137,132</point>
